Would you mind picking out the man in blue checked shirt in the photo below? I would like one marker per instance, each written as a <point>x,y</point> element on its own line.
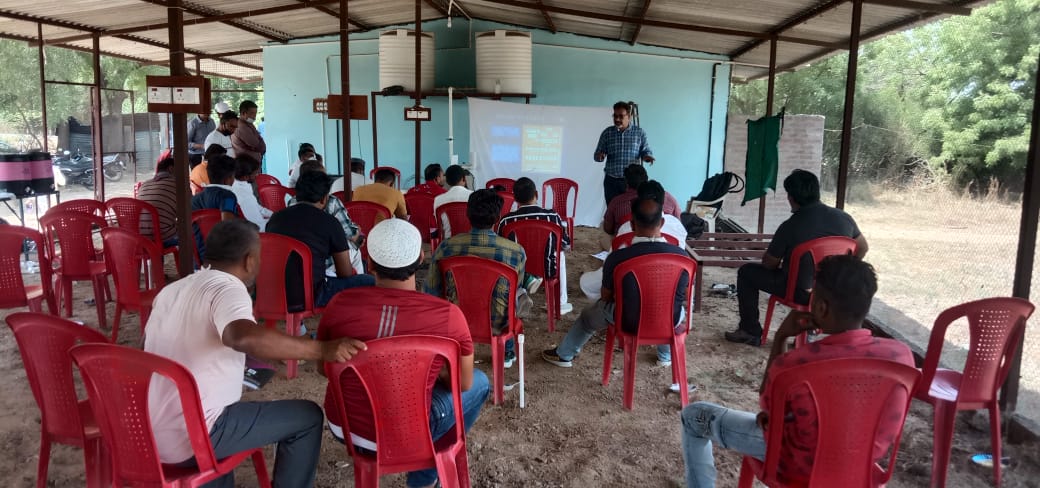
<point>621,145</point>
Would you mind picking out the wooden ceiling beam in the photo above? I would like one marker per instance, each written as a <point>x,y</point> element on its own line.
<point>232,20</point>
<point>795,21</point>
<point>319,6</point>
<point>548,19</point>
<point>639,26</point>
<point>934,8</point>
<point>195,52</point>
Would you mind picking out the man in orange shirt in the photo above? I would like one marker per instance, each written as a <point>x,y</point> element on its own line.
<point>383,193</point>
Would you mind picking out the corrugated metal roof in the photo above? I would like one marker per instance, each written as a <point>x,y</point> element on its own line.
<point>228,44</point>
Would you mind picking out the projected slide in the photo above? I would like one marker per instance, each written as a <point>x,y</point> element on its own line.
<point>542,149</point>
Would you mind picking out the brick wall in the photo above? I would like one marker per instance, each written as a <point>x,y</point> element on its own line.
<point>801,147</point>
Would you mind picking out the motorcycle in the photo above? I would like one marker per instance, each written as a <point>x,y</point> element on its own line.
<point>78,168</point>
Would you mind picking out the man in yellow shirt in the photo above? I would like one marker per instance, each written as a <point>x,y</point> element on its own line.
<point>383,193</point>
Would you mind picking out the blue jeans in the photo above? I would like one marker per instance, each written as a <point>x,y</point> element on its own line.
<point>334,285</point>
<point>705,423</point>
<point>294,424</point>
<point>594,318</point>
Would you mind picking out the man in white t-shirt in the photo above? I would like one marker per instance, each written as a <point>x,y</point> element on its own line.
<point>357,177</point>
<point>455,175</point>
<point>222,134</point>
<point>205,322</point>
<point>246,169</point>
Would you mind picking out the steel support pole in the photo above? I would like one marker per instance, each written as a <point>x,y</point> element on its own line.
<point>344,90</point>
<point>770,94</point>
<point>175,18</point>
<point>43,87</point>
<point>96,140</point>
<point>850,99</point>
<point>418,88</point>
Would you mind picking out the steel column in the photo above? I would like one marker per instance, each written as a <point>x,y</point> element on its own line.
<point>175,16</point>
<point>43,86</point>
<point>850,99</point>
<point>770,93</point>
<point>96,140</point>
<point>344,90</point>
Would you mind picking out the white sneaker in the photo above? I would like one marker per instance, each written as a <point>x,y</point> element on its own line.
<point>690,387</point>
<point>665,364</point>
<point>566,308</point>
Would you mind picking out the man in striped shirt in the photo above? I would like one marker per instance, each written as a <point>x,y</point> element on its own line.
<point>161,193</point>
<point>526,195</point>
<point>620,145</point>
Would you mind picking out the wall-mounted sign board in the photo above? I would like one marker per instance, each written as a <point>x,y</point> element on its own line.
<point>358,107</point>
<point>419,113</point>
<point>178,94</point>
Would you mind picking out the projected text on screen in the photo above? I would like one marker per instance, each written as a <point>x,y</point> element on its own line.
<point>542,148</point>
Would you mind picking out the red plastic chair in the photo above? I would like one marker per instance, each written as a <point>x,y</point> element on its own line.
<point>397,175</point>
<point>272,197</point>
<point>13,290</point>
<point>506,183</point>
<point>657,277</point>
<point>129,213</point>
<point>395,374</point>
<point>125,252</point>
<point>507,203</point>
<point>202,221</point>
<point>625,240</point>
<point>341,196</point>
<point>817,249</point>
<point>84,205</point>
<point>996,326</point>
<point>44,342</point>
<point>266,179</point>
<point>366,215</point>
<point>845,445</point>
<point>534,236</point>
<point>70,244</point>
<point>475,279</point>
<point>420,214</point>
<point>271,303</point>
<point>561,191</point>
<point>454,214</point>
<point>118,380</point>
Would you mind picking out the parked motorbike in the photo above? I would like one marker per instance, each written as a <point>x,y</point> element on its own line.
<point>78,168</point>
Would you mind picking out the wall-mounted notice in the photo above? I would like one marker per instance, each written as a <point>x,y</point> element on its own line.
<point>160,94</point>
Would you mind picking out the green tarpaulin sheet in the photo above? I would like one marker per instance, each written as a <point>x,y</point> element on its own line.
<point>762,156</point>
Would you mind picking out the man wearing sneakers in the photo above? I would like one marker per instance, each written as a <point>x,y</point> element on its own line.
<point>647,220</point>
<point>483,209</point>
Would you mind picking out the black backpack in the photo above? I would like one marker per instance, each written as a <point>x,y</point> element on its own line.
<point>718,186</point>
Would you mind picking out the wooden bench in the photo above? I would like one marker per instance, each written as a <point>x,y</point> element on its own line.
<point>724,250</point>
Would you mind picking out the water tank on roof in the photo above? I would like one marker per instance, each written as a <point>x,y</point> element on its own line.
<point>504,61</point>
<point>397,59</point>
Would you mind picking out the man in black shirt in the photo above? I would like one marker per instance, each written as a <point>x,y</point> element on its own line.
<point>810,219</point>
<point>307,222</point>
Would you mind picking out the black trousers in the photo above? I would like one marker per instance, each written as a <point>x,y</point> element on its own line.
<point>752,278</point>
<point>613,187</point>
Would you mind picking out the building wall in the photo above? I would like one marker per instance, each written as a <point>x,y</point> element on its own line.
<point>801,147</point>
<point>673,89</point>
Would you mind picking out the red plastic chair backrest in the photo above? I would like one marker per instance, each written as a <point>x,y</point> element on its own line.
<point>534,236</point>
<point>457,218</point>
<point>506,183</point>
<point>205,219</point>
<point>118,379</point>
<point>395,373</point>
<point>625,240</point>
<point>507,203</point>
<point>475,279</point>
<point>123,253</point>
<point>996,326</point>
<point>12,286</point>
<point>271,298</point>
<point>137,216</point>
<point>84,205</point>
<point>366,214</point>
<point>845,443</point>
<point>272,197</point>
<point>44,342</point>
<point>420,212</point>
<point>561,191</point>
<point>266,179</point>
<point>70,235</point>
<point>397,175</point>
<point>818,249</point>
<point>341,196</point>
<point>657,278</point>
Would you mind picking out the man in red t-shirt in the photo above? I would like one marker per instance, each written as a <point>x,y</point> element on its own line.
<point>434,185</point>
<point>842,294</point>
<point>394,308</point>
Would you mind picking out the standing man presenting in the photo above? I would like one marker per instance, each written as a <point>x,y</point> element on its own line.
<point>198,128</point>
<point>620,145</point>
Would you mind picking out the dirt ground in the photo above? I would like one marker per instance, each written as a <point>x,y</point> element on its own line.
<point>572,433</point>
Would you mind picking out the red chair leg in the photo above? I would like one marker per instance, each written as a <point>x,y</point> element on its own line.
<point>608,355</point>
<point>116,322</point>
<point>292,328</point>
<point>99,301</point>
<point>945,414</point>
<point>36,305</point>
<point>629,352</point>
<point>143,315</point>
<point>994,428</point>
<point>262,478</point>
<point>550,291</point>
<point>95,463</point>
<point>747,474</point>
<point>366,475</point>
<point>769,318</point>
<point>498,352</point>
<point>45,458</point>
<point>66,291</point>
<point>679,370</point>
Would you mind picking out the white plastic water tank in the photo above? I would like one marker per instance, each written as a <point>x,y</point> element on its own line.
<point>397,59</point>
<point>504,60</point>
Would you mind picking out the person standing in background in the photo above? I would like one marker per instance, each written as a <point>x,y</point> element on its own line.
<point>620,145</point>
<point>246,140</point>
<point>198,128</point>
<point>222,136</point>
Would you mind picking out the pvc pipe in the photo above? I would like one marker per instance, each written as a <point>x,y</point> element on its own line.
<point>520,349</point>
<point>451,125</point>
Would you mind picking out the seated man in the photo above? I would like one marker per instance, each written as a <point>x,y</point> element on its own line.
<point>810,219</point>
<point>357,176</point>
<point>526,195</point>
<point>199,175</point>
<point>307,222</point>
<point>161,193</point>
<point>205,322</point>
<point>246,169</point>
<point>336,209</point>
<point>217,194</point>
<point>455,176</point>
<point>305,153</point>
<point>396,254</point>
<point>844,288</point>
<point>646,222</point>
<point>434,181</point>
<point>621,206</point>
<point>383,193</point>
<point>483,210</point>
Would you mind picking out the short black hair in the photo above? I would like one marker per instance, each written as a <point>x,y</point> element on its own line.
<point>306,145</point>
<point>803,187</point>
<point>357,165</point>
<point>231,240</point>
<point>312,186</point>
<point>635,175</point>
<point>165,165</point>
<point>524,190</point>
<point>245,166</point>
<point>311,165</point>
<point>623,105</point>
<point>483,208</point>
<point>848,284</point>
<point>246,106</point>
<point>454,174</point>
<point>651,189</point>
<point>396,274</point>
<point>384,175</point>
<point>220,168</point>
<point>213,151</point>
<point>647,212</point>
<point>228,116</point>
<point>432,171</point>
<point>304,150</point>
